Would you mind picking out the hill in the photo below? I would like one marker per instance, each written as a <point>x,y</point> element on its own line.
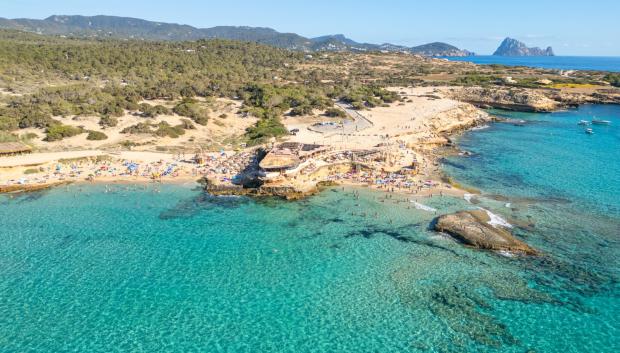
<point>513,47</point>
<point>133,28</point>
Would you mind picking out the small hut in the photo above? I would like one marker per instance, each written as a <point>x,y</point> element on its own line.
<point>13,148</point>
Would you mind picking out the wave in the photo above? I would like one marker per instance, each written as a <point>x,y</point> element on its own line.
<point>422,207</point>
<point>481,127</point>
<point>497,220</point>
<point>506,253</point>
<point>467,197</point>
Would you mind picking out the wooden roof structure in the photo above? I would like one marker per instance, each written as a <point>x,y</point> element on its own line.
<point>279,159</point>
<point>14,148</point>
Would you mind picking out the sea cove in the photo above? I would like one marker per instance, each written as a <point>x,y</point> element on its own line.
<point>170,267</point>
<point>314,176</point>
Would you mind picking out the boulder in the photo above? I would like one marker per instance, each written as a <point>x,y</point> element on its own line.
<point>474,228</point>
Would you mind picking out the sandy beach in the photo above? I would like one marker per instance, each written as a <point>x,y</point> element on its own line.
<point>401,135</point>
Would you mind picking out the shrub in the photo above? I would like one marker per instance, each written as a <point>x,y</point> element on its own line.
<point>139,128</point>
<point>301,110</point>
<point>187,124</point>
<point>264,129</point>
<point>128,144</point>
<point>189,108</point>
<point>613,79</point>
<point>335,113</point>
<point>58,132</point>
<point>29,136</point>
<point>96,136</point>
<point>8,137</point>
<point>108,121</point>
<point>149,111</point>
<point>165,130</point>
<point>8,124</point>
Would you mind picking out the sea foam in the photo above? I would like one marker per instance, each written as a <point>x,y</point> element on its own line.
<point>467,197</point>
<point>422,207</point>
<point>497,220</point>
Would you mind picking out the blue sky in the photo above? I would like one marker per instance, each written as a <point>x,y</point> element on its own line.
<point>571,27</point>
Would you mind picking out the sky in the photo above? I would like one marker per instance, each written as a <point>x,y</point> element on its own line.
<point>571,27</point>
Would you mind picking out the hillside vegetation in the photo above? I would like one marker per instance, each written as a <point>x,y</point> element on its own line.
<point>65,77</point>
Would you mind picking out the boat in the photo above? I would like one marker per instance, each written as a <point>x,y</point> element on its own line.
<point>589,131</point>
<point>600,122</point>
<point>583,122</point>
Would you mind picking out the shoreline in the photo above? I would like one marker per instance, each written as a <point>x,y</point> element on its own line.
<point>143,167</point>
<point>102,167</point>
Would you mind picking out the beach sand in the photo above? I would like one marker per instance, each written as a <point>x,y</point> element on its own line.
<point>406,132</point>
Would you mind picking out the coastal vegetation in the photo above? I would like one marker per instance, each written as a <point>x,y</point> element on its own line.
<point>335,113</point>
<point>96,136</point>
<point>44,78</point>
<point>613,79</point>
<point>57,132</point>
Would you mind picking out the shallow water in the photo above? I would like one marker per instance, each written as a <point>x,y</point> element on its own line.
<point>177,270</point>
<point>562,186</point>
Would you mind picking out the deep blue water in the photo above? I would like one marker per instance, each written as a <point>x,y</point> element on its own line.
<point>170,269</point>
<point>598,63</point>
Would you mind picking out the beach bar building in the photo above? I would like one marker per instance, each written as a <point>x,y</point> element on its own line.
<point>278,161</point>
<point>13,148</point>
<point>285,158</point>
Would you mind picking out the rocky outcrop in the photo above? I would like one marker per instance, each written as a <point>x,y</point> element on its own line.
<point>17,188</point>
<point>611,96</point>
<point>512,47</point>
<point>519,99</point>
<point>286,192</point>
<point>475,229</point>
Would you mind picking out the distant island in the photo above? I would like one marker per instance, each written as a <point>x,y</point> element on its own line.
<point>513,47</point>
<point>134,28</point>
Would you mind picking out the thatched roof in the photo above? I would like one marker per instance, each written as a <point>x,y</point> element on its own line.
<point>279,160</point>
<point>14,147</point>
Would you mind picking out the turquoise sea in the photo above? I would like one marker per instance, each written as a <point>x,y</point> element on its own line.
<point>596,63</point>
<point>170,269</point>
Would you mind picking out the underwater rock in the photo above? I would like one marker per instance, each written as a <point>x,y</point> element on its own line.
<point>473,229</point>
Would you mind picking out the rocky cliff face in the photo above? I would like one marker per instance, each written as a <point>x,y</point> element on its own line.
<point>512,47</point>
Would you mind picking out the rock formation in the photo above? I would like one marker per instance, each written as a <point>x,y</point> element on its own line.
<point>519,99</point>
<point>474,229</point>
<point>512,47</point>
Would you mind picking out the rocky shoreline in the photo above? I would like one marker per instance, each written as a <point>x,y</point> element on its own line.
<point>530,99</point>
<point>20,188</point>
<point>286,192</point>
